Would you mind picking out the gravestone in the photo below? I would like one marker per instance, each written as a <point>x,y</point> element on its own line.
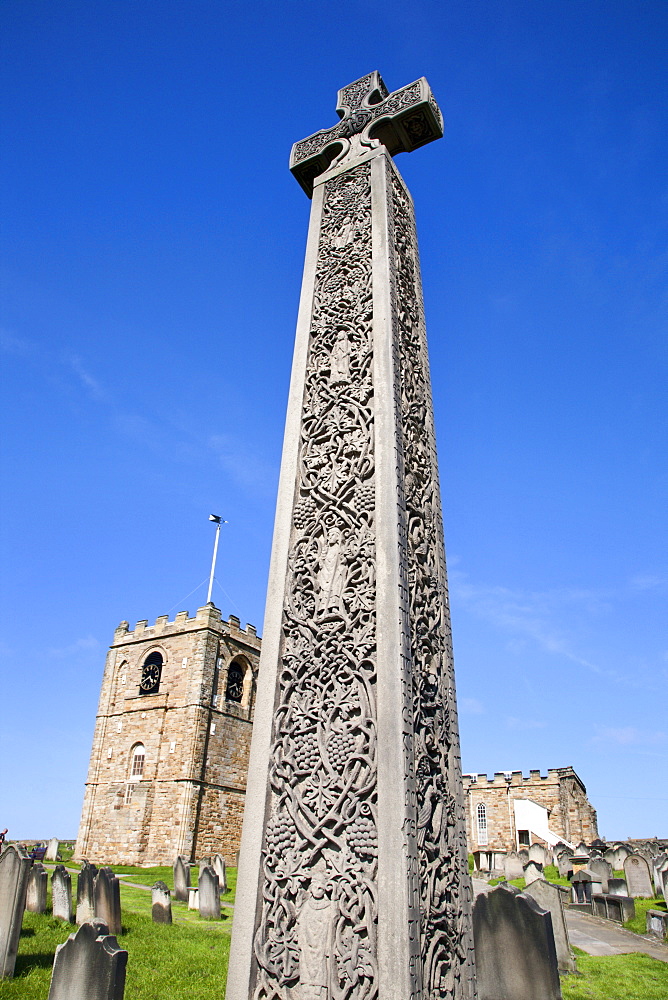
<point>14,872</point>
<point>553,897</point>
<point>524,855</point>
<point>636,872</point>
<point>538,854</point>
<point>193,903</point>
<point>583,886</point>
<point>617,887</point>
<point>515,951</point>
<point>657,923</point>
<point>659,865</point>
<point>204,863</point>
<point>209,894</point>
<point>181,879</point>
<point>512,866</point>
<point>532,871</point>
<point>620,908</point>
<point>221,871</point>
<point>161,908</point>
<point>52,850</point>
<point>601,868</point>
<point>354,818</point>
<point>664,876</point>
<point>565,864</point>
<point>579,861</point>
<point>612,858</point>
<point>89,966</point>
<point>61,894</point>
<point>38,882</point>
<point>598,905</point>
<point>107,892</point>
<point>86,892</point>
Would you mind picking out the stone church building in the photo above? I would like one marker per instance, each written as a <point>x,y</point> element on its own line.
<point>508,811</point>
<point>169,762</point>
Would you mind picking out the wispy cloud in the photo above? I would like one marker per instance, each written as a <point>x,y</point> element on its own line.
<point>93,387</point>
<point>16,346</point>
<point>512,722</point>
<point>647,581</point>
<point>470,706</point>
<point>629,736</point>
<point>85,644</point>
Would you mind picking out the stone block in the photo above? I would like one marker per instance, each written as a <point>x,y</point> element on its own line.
<point>617,887</point>
<point>89,966</point>
<point>620,908</point>
<point>61,894</point>
<point>657,923</point>
<point>515,951</point>
<point>14,872</point>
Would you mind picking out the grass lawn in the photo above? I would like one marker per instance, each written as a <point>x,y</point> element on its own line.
<point>617,977</point>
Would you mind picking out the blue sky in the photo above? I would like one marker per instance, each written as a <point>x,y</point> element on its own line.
<point>152,251</point>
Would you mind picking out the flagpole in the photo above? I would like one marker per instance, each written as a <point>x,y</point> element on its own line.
<point>219,521</point>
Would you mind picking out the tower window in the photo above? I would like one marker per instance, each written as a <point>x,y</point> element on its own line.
<point>482,824</point>
<point>235,683</point>
<point>150,674</point>
<point>138,758</point>
<point>129,789</point>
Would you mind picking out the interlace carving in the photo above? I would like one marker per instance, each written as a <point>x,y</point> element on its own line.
<point>445,931</point>
<point>316,934</point>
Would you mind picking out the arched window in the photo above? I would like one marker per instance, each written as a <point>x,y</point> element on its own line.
<point>137,763</point>
<point>150,674</point>
<point>482,824</point>
<point>235,683</point>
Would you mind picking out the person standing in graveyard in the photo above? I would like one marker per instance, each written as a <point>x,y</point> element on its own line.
<point>3,834</point>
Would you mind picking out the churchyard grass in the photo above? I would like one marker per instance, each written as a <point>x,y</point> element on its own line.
<point>639,923</point>
<point>616,977</point>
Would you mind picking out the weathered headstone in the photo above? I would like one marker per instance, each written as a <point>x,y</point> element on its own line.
<point>516,957</point>
<point>204,863</point>
<point>193,902</point>
<point>664,876</point>
<point>583,886</point>
<point>659,865</point>
<point>221,871</point>
<point>512,866</point>
<point>553,897</point>
<point>617,887</point>
<point>532,871</point>
<point>181,879</point>
<point>612,858</point>
<point>107,892</point>
<point>364,848</point>
<point>636,872</point>
<point>209,894</point>
<point>38,882</point>
<point>619,908</point>
<point>52,850</point>
<point>61,894</point>
<point>86,892</point>
<point>161,903</point>
<point>657,923</point>
<point>538,854</point>
<point>89,966</point>
<point>565,864</point>
<point>601,868</point>
<point>14,872</point>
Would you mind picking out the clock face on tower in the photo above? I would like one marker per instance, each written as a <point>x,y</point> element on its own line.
<point>150,674</point>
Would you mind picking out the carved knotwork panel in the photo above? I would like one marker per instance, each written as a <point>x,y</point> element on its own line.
<point>316,933</point>
<point>445,931</point>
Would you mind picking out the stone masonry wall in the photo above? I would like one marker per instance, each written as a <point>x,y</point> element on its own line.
<point>189,799</point>
<point>570,814</point>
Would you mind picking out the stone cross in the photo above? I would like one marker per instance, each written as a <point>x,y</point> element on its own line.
<point>89,966</point>
<point>14,872</point>
<point>161,903</point>
<point>353,877</point>
<point>38,882</point>
<point>61,893</point>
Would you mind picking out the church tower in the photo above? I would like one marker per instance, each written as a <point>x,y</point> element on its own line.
<point>169,761</point>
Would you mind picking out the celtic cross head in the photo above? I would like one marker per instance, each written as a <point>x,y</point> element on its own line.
<point>370,116</point>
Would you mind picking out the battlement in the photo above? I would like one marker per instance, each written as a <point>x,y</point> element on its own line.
<point>516,779</point>
<point>207,616</point>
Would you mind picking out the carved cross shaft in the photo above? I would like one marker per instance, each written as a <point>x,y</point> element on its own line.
<point>401,121</point>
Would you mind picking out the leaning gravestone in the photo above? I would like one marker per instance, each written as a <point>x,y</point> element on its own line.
<point>108,900</point>
<point>36,892</point>
<point>636,871</point>
<point>538,854</point>
<point>181,879</point>
<point>601,868</point>
<point>552,897</point>
<point>354,811</point>
<point>52,850</point>
<point>515,953</point>
<point>61,894</point>
<point>14,872</point>
<point>161,904</point>
<point>512,866</point>
<point>86,892</point>
<point>532,871</point>
<point>89,966</point>
<point>208,894</point>
<point>221,871</point>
